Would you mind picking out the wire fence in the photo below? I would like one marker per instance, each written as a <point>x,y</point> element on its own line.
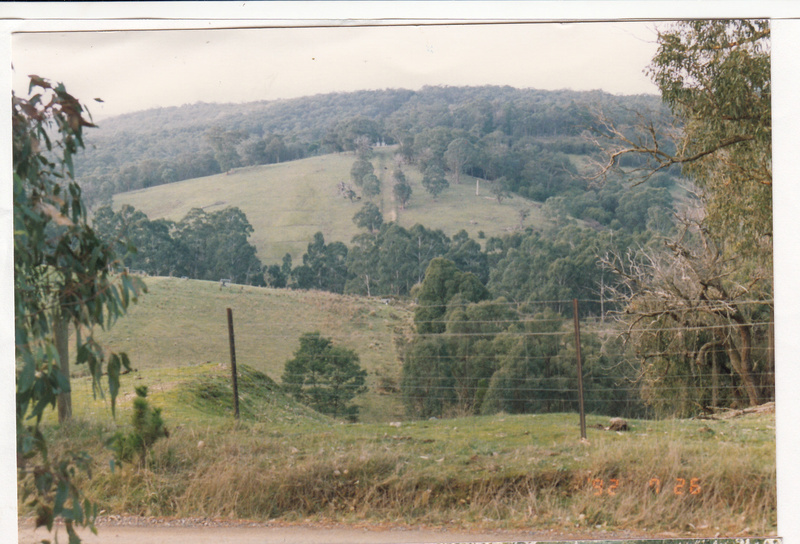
<point>527,363</point>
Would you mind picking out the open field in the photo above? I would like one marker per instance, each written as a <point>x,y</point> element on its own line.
<point>283,462</point>
<point>180,323</point>
<point>288,202</point>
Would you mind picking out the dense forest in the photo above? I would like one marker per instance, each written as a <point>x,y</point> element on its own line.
<point>522,135</point>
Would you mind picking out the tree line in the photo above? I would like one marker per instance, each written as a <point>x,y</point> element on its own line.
<point>473,353</point>
<point>557,263</point>
<point>202,245</point>
<point>522,135</point>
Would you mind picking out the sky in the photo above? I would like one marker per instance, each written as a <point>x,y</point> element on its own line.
<point>135,70</point>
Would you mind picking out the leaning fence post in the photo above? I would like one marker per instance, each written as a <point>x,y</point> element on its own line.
<point>580,365</point>
<point>233,365</point>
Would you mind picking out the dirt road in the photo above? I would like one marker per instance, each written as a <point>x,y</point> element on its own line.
<point>243,533</point>
<point>261,535</point>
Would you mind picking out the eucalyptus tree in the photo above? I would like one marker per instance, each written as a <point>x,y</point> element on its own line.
<point>717,271</point>
<point>64,274</point>
<point>434,181</point>
<point>401,189</point>
<point>371,185</point>
<point>459,155</point>
<point>360,169</point>
<point>225,143</point>
<point>324,266</point>
<point>369,217</point>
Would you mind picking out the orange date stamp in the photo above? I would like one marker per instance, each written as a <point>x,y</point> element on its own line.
<point>677,486</point>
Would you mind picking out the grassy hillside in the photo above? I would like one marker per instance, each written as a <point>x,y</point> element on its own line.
<point>180,323</point>
<point>288,202</point>
<point>282,461</point>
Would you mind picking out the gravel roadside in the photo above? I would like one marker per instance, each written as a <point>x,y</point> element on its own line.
<point>142,530</point>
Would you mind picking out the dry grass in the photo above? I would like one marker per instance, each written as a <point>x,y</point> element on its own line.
<point>490,472</point>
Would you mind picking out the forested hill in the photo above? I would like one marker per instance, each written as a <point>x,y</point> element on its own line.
<point>164,145</point>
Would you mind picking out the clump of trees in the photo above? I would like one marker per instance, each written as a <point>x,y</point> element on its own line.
<point>202,245</point>
<point>324,266</point>
<point>698,305</point>
<point>474,354</point>
<point>325,377</point>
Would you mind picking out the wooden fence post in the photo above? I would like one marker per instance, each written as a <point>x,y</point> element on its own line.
<point>580,366</point>
<point>233,365</point>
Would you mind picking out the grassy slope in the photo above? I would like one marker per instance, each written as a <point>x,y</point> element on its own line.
<point>283,461</point>
<point>287,203</point>
<point>184,322</point>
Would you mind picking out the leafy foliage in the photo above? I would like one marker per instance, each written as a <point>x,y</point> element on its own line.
<point>202,245</point>
<point>493,356</point>
<point>393,260</point>
<point>324,376</point>
<point>443,283</point>
<point>401,189</point>
<point>148,427</point>
<point>63,274</point>
<point>716,77</point>
<point>714,272</point>
<point>361,168</point>
<point>371,185</point>
<point>536,268</point>
<point>324,266</point>
<point>224,143</point>
<point>459,155</point>
<point>434,181</point>
<point>369,217</point>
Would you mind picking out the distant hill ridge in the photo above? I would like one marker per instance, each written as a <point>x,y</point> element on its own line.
<point>171,131</point>
<point>369,103</point>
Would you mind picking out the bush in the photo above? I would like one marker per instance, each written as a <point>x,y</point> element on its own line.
<point>148,426</point>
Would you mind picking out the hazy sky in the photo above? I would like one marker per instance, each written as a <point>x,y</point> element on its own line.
<point>134,70</point>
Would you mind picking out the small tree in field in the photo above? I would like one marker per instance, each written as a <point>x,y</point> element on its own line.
<point>434,181</point>
<point>148,426</point>
<point>324,376</point>
<point>402,189</point>
<point>369,217</point>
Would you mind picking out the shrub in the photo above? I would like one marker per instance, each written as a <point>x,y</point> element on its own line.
<point>148,426</point>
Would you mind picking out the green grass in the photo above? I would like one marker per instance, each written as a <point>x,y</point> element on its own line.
<point>288,202</point>
<point>283,461</point>
<point>182,323</point>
